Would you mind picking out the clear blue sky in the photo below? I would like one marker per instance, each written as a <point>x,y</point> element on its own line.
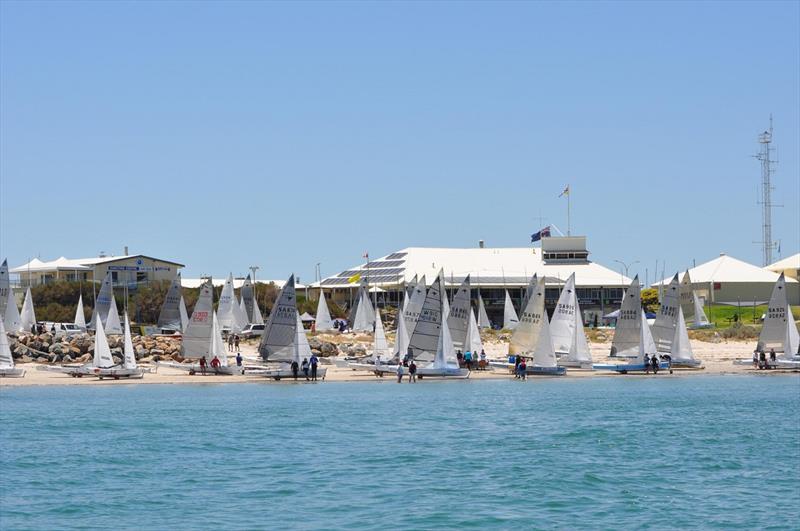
<point>225,135</point>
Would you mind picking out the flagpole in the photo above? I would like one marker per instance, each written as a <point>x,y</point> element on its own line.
<point>569,232</point>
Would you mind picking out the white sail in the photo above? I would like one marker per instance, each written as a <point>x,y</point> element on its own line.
<point>6,359</point>
<point>277,343</point>
<point>458,318</point>
<point>529,290</point>
<point>791,344</point>
<point>401,337</point>
<point>445,304</point>
<point>257,317</point>
<point>410,286</point>
<point>700,318</point>
<point>226,313</point>
<point>681,347</point>
<point>686,292</point>
<point>510,318</point>
<point>247,294</point>
<point>102,353</point>
<point>302,350</point>
<point>424,340</point>
<point>184,315</point>
<point>195,342</point>
<point>364,320</point>
<point>445,355</point>
<point>241,314</point>
<point>773,333</point>
<point>414,305</point>
<point>216,347</point>
<point>112,324</point>
<point>170,316</point>
<point>543,353</point>
<point>562,325</point>
<point>12,320</point>
<point>323,321</point>
<point>473,341</point>
<point>483,318</point>
<point>627,331</point>
<point>27,316</point>
<point>525,337</point>
<point>646,343</point>
<point>102,301</point>
<point>380,345</point>
<point>667,317</point>
<point>128,352</point>
<point>80,318</point>
<point>5,288</point>
<point>579,349</point>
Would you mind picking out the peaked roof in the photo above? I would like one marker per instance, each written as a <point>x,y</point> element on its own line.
<point>79,264</point>
<point>790,262</point>
<point>726,268</point>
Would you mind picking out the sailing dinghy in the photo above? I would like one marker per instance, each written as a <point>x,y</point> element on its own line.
<point>7,368</point>
<point>646,346</point>
<point>566,329</point>
<point>170,319</point>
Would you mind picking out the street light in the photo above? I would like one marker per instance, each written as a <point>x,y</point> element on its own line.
<point>626,266</point>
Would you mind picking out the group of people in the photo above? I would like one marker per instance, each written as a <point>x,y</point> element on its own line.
<point>520,368</point>
<point>308,366</point>
<point>471,359</point>
<point>654,363</point>
<point>760,360</point>
<point>233,343</point>
<point>412,372</point>
<point>215,365</point>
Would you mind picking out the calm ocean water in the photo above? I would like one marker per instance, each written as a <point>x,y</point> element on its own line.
<point>608,453</point>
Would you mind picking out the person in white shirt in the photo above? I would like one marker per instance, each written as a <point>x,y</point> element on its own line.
<point>399,373</point>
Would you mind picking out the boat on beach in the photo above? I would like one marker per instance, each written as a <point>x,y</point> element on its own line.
<point>7,367</point>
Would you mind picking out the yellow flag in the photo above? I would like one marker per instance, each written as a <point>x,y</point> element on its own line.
<point>354,278</point>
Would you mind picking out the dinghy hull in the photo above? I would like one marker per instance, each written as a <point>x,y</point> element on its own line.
<point>10,372</point>
<point>631,367</point>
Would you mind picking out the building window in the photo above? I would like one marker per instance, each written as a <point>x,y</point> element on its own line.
<point>114,276</point>
<point>141,277</point>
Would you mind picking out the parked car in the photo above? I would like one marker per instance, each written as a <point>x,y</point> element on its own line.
<point>253,330</point>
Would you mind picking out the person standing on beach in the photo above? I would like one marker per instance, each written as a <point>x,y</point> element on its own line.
<point>400,372</point>
<point>294,369</point>
<point>238,359</point>
<point>523,369</point>
<point>646,364</point>
<point>517,361</point>
<point>654,362</point>
<point>304,367</point>
<point>412,372</point>
<point>215,363</point>
<point>236,342</point>
<point>314,361</point>
<point>483,360</point>
<point>203,366</point>
<point>230,342</point>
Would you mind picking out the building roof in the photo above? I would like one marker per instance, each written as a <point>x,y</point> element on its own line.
<point>237,282</point>
<point>486,266</point>
<point>79,264</point>
<point>790,262</point>
<point>726,268</point>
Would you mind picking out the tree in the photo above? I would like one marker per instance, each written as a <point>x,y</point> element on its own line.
<point>650,302</point>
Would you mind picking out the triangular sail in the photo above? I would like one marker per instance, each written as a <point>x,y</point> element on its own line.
<point>646,343</point>
<point>170,316</point>
<point>113,325</point>
<point>686,296</point>
<point>301,347</point>
<point>401,337</point>
<point>525,337</point>
<point>380,345</point>
<point>102,358</point>
<point>667,317</point>
<point>241,314</point>
<point>473,341</point>
<point>530,289</point>
<point>128,352</point>
<point>277,343</point>
<point>12,320</point>
<point>28,316</point>
<point>445,355</point>
<point>216,347</point>
<point>226,313</point>
<point>184,315</point>
<point>247,295</point>
<point>6,359</point>
<point>543,353</point>
<point>80,318</point>
<point>410,286</point>
<point>562,325</point>
<point>681,347</point>
<point>773,333</point>
<point>195,343</point>
<point>627,331</point>
<point>5,288</point>
<point>102,301</point>
<point>323,321</point>
<point>579,349</point>
<point>364,319</point>
<point>414,305</point>
<point>700,318</point>
<point>445,304</point>
<point>458,318</point>
<point>791,345</point>
<point>510,318</point>
<point>483,317</point>
<point>424,340</point>
<point>257,317</point>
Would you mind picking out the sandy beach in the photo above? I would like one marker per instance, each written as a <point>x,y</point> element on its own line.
<point>717,359</point>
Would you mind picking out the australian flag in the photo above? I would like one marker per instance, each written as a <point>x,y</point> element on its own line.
<point>543,233</point>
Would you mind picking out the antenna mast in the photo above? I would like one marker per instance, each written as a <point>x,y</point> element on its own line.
<point>764,155</point>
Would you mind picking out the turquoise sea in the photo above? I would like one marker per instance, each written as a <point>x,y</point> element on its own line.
<point>612,453</point>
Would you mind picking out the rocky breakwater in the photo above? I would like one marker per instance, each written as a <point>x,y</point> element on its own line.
<point>79,348</point>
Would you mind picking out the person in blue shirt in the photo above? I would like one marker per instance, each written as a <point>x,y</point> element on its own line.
<point>314,361</point>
